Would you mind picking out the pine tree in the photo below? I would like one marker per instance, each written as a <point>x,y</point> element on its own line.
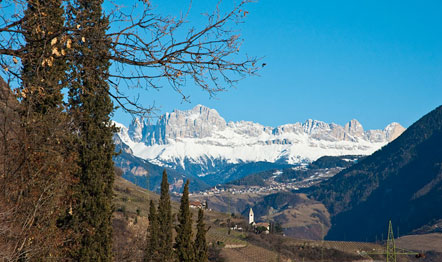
<point>165,251</point>
<point>152,234</point>
<point>201,254</point>
<point>90,107</point>
<point>183,241</point>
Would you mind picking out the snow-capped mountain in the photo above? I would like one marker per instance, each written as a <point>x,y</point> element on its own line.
<point>201,140</point>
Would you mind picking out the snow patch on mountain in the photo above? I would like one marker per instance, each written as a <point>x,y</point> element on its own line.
<point>201,135</point>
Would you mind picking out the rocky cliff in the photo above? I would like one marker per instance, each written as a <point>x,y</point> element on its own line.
<point>201,137</point>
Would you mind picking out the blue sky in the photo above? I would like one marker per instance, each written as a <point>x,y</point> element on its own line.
<point>376,61</point>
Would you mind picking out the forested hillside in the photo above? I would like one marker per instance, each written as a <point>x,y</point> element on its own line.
<point>401,182</point>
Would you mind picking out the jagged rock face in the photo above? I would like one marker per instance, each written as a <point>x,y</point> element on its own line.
<point>203,122</point>
<point>201,135</point>
<point>354,128</point>
<point>200,122</point>
<point>393,130</point>
<point>136,129</point>
<point>121,146</point>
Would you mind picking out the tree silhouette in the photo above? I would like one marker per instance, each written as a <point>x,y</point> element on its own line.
<point>165,252</point>
<point>201,250</point>
<point>183,241</point>
<point>152,248</point>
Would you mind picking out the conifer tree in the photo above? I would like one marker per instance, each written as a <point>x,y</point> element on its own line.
<point>183,241</point>
<point>165,251</point>
<point>201,254</point>
<point>44,166</point>
<point>152,234</point>
<point>44,65</point>
<point>90,107</point>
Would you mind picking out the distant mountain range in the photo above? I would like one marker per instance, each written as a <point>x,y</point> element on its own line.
<point>401,182</point>
<point>200,143</point>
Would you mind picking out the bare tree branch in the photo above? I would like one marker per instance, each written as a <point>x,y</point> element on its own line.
<point>149,51</point>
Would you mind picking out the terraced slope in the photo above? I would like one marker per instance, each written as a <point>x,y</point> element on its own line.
<point>130,231</point>
<point>250,253</point>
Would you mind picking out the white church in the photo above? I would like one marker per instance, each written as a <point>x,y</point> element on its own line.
<point>251,217</point>
<point>262,224</point>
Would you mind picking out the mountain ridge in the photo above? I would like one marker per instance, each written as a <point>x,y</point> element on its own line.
<point>401,182</point>
<point>200,136</point>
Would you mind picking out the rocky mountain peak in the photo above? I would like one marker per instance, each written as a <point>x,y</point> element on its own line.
<point>313,126</point>
<point>201,133</point>
<point>393,130</point>
<point>203,110</point>
<point>354,128</point>
<point>136,129</point>
<point>198,113</point>
<point>198,122</point>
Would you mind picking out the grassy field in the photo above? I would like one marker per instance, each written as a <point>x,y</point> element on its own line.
<point>250,253</point>
<point>222,235</point>
<point>425,242</point>
<point>130,197</point>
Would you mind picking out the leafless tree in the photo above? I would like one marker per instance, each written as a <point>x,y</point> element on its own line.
<point>150,51</point>
<point>32,183</point>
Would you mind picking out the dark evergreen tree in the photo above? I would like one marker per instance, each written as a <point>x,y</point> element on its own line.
<point>91,107</point>
<point>44,63</point>
<point>183,241</point>
<point>165,251</point>
<point>152,235</point>
<point>44,169</point>
<point>201,250</point>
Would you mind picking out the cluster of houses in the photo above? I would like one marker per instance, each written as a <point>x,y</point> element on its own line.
<point>198,205</point>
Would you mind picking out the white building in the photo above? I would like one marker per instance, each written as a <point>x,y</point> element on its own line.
<point>251,217</point>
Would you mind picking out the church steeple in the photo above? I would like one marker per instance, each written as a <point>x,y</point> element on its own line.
<point>251,217</point>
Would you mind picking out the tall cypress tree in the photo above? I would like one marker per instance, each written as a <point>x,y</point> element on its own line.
<point>165,251</point>
<point>200,240</point>
<point>90,107</point>
<point>45,169</point>
<point>183,241</point>
<point>152,235</point>
<point>44,66</point>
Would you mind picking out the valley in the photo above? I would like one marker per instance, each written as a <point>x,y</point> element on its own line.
<point>326,196</point>
<point>130,223</point>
